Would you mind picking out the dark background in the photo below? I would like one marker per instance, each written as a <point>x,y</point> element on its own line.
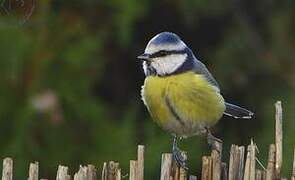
<point>70,81</point>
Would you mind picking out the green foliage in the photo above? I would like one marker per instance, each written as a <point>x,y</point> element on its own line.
<point>70,82</point>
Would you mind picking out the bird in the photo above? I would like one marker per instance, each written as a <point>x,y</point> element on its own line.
<point>180,93</point>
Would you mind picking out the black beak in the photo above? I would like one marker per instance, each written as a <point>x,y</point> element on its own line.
<point>144,56</point>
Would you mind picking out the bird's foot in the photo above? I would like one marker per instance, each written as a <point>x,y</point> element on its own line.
<point>178,155</point>
<point>213,142</point>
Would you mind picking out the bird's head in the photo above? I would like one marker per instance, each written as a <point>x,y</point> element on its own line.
<point>164,54</point>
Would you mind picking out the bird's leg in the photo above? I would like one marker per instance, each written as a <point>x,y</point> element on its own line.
<point>178,155</point>
<point>213,142</point>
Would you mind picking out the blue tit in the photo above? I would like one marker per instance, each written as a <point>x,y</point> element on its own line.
<point>179,92</point>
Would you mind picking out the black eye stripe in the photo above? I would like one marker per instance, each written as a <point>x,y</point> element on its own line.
<point>163,53</point>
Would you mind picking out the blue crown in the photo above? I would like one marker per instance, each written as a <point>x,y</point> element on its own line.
<point>166,38</point>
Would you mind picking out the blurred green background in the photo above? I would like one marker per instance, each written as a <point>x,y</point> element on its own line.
<point>70,81</point>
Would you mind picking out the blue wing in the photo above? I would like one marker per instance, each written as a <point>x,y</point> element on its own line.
<point>200,68</point>
<point>231,109</point>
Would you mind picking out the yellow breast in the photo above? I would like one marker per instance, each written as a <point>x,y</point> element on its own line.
<point>184,103</point>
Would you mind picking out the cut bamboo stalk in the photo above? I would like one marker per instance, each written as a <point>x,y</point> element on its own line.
<point>133,170</point>
<point>111,171</point>
<point>62,173</point>
<point>34,171</point>
<point>224,171</point>
<point>206,168</point>
<point>118,175</point>
<point>117,171</point>
<point>192,177</point>
<point>241,165</point>
<point>247,166</point>
<point>166,166</point>
<point>250,162</point>
<point>293,171</point>
<point>7,171</point>
<point>233,163</point>
<point>258,174</point>
<point>216,165</point>
<point>263,173</point>
<point>236,163</point>
<point>175,170</point>
<point>279,139</point>
<point>271,162</point>
<point>81,174</point>
<point>76,177</point>
<point>182,174</point>
<point>253,160</point>
<point>210,168</point>
<point>91,172</point>
<point>104,173</point>
<point>140,162</point>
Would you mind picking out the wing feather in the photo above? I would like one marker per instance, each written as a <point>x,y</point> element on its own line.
<point>200,68</point>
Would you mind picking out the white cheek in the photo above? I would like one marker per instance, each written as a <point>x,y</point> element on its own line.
<point>144,66</point>
<point>168,64</point>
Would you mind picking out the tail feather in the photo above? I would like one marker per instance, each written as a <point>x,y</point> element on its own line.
<point>237,112</point>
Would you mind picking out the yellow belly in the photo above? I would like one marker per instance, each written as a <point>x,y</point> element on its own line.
<point>183,104</point>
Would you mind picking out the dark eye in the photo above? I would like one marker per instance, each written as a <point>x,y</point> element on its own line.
<point>160,54</point>
<point>163,53</point>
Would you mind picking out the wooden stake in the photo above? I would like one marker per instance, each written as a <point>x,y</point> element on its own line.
<point>175,170</point>
<point>104,173</point>
<point>34,171</point>
<point>253,160</point>
<point>133,170</point>
<point>86,173</point>
<point>7,169</point>
<point>258,174</point>
<point>62,173</point>
<point>279,139</point>
<point>216,165</point>
<point>118,177</point>
<point>233,163</point>
<point>224,171</point>
<point>207,168</point>
<point>111,171</point>
<point>293,171</point>
<point>191,177</point>
<point>91,172</point>
<point>263,173</point>
<point>250,162</point>
<point>140,162</point>
<point>210,168</point>
<point>241,160</point>
<point>166,166</point>
<point>236,163</point>
<point>81,174</point>
<point>271,162</point>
